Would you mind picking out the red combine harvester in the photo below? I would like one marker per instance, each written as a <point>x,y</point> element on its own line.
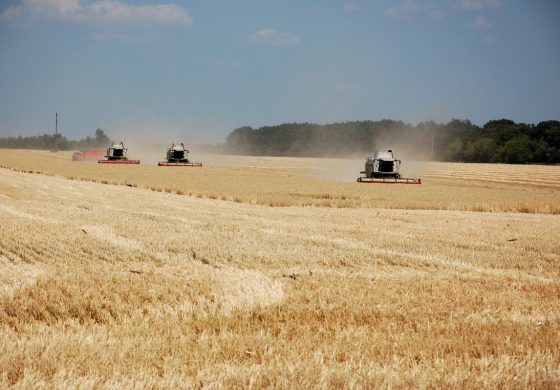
<point>177,156</point>
<point>84,155</point>
<point>116,154</point>
<point>383,168</point>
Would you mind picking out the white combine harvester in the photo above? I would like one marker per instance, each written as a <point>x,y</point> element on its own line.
<point>116,154</point>
<point>383,167</point>
<point>178,156</point>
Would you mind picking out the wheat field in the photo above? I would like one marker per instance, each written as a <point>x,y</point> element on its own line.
<point>283,182</point>
<point>454,283</point>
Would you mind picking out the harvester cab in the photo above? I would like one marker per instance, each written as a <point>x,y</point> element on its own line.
<point>177,153</point>
<point>178,156</point>
<point>382,164</point>
<point>117,154</point>
<point>383,167</point>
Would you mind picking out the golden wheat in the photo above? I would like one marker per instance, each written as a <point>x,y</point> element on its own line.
<point>276,181</point>
<point>119,287</point>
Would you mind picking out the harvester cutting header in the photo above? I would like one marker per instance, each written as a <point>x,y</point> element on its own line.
<point>177,156</point>
<point>116,154</point>
<point>383,167</point>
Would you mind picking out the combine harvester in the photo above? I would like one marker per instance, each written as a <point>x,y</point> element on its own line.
<point>177,156</point>
<point>116,154</point>
<point>84,155</point>
<point>382,167</point>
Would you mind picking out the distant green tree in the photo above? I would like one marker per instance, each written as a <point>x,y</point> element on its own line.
<point>240,140</point>
<point>454,151</point>
<point>451,139</point>
<point>501,130</point>
<point>543,152</point>
<point>101,140</point>
<point>519,150</point>
<point>550,132</point>
<point>482,150</point>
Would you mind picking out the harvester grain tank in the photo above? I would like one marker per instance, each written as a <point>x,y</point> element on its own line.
<point>383,167</point>
<point>117,154</point>
<point>178,156</point>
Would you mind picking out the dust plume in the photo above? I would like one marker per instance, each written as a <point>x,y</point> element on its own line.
<point>151,150</point>
<point>342,147</point>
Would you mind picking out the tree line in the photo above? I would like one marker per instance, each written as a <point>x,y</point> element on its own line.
<point>497,141</point>
<point>56,142</point>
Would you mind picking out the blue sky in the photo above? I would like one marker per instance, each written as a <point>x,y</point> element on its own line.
<point>198,69</point>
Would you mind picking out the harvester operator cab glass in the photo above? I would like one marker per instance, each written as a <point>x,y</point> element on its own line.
<point>386,166</point>
<point>178,154</point>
